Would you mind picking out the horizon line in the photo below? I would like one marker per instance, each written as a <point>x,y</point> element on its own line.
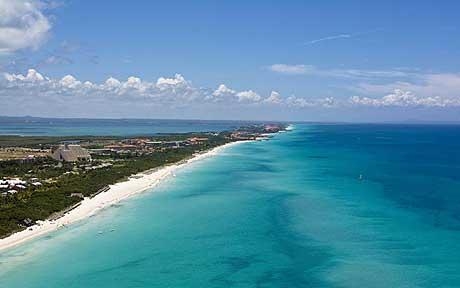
<point>409,121</point>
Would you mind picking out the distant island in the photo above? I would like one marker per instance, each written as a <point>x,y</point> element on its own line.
<point>45,177</point>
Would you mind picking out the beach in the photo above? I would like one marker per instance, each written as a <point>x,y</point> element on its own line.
<point>117,192</point>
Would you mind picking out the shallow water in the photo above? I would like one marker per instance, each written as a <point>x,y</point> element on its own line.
<point>290,212</point>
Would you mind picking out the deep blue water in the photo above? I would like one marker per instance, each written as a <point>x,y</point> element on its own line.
<point>290,212</point>
<point>30,126</point>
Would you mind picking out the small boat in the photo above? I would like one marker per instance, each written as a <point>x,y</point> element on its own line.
<point>360,176</point>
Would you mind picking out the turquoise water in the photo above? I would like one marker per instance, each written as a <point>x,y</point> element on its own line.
<point>290,212</point>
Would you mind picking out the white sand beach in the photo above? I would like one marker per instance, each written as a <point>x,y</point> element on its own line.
<point>117,192</point>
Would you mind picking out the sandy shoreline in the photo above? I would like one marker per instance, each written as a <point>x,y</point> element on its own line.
<point>116,193</point>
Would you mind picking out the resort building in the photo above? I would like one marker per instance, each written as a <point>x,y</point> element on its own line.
<point>197,140</point>
<point>71,153</point>
<point>120,147</point>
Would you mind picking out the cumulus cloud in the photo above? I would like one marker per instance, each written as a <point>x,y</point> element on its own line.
<point>165,92</point>
<point>172,83</point>
<point>22,25</point>
<point>427,90</point>
<point>399,87</point>
<point>401,98</point>
<point>382,88</point>
<point>176,92</point>
<point>112,83</point>
<point>31,76</point>
<point>69,81</point>
<point>442,84</point>
<point>274,98</point>
<point>222,91</point>
<point>248,96</point>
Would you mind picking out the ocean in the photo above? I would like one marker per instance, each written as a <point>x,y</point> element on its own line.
<point>32,126</point>
<point>319,206</point>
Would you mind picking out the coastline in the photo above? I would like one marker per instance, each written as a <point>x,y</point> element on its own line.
<point>117,192</point>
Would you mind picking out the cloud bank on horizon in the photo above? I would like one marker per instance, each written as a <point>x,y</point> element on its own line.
<point>177,91</point>
<point>26,26</point>
<point>164,92</point>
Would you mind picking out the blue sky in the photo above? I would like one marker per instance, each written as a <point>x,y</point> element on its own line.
<point>300,60</point>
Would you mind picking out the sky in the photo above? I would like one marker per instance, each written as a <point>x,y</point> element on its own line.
<point>363,61</point>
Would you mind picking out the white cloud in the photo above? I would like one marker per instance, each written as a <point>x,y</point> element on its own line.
<point>442,84</point>
<point>172,83</point>
<point>31,76</point>
<point>223,90</point>
<point>178,94</point>
<point>22,25</point>
<point>342,36</point>
<point>248,96</point>
<point>328,102</point>
<point>112,83</point>
<point>334,37</point>
<point>401,98</point>
<point>401,88</point>
<point>34,76</point>
<point>301,69</point>
<point>274,98</point>
<point>88,85</point>
<point>289,69</point>
<point>169,92</point>
<point>225,93</point>
<point>300,102</point>
<point>428,90</point>
<point>176,90</point>
<point>69,81</point>
<point>136,84</point>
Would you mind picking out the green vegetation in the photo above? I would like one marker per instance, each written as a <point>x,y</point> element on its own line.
<point>62,184</point>
<point>45,141</point>
<point>38,203</point>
